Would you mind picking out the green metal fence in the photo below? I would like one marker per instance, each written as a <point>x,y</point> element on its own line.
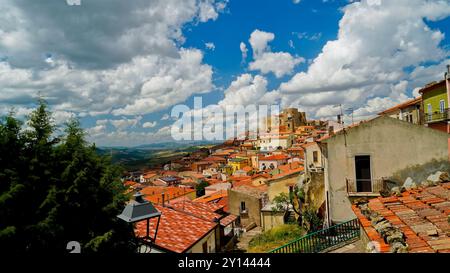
<point>323,239</point>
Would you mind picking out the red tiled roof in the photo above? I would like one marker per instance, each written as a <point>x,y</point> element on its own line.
<point>228,220</point>
<point>154,193</point>
<point>274,157</point>
<point>177,231</point>
<point>202,210</point>
<point>211,197</point>
<point>402,105</point>
<point>414,213</point>
<point>290,166</point>
<point>238,183</point>
<point>265,175</point>
<point>223,202</point>
<point>288,172</point>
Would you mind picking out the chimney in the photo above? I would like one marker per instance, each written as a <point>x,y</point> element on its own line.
<point>163,201</point>
<point>447,74</point>
<point>138,197</point>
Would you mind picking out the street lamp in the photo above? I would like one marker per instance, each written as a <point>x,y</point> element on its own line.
<point>137,210</point>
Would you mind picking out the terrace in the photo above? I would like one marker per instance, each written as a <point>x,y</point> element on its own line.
<point>437,116</point>
<point>365,187</point>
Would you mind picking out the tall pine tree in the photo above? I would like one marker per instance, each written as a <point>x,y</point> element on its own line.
<point>56,190</point>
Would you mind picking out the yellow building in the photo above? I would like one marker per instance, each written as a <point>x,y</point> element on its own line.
<point>237,163</point>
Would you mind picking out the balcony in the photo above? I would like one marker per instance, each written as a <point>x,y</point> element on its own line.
<point>365,187</point>
<point>437,116</point>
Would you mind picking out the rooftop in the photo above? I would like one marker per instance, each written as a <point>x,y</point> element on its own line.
<point>154,193</point>
<point>177,230</point>
<point>273,157</point>
<point>237,159</point>
<point>431,86</point>
<point>204,211</point>
<point>421,215</point>
<point>228,220</point>
<point>287,172</point>
<point>402,105</point>
<point>211,197</point>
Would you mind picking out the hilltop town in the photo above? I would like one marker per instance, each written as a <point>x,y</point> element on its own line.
<point>313,174</point>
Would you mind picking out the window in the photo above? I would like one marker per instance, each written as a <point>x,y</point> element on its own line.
<point>242,206</point>
<point>205,247</point>
<point>315,156</point>
<point>441,106</point>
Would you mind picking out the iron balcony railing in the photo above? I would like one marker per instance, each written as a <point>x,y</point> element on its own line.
<point>437,116</point>
<point>355,186</point>
<point>322,240</point>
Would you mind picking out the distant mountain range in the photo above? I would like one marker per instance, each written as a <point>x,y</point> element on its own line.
<point>162,145</point>
<point>151,155</point>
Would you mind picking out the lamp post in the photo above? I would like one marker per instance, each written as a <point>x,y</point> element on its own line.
<point>137,210</point>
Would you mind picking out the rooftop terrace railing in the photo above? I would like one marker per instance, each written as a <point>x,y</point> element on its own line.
<point>437,116</point>
<point>322,240</point>
<point>360,186</point>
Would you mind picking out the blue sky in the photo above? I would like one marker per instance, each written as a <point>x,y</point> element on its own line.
<point>121,67</point>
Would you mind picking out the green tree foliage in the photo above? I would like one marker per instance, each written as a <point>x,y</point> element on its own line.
<point>295,200</point>
<point>311,220</point>
<point>57,189</point>
<point>200,188</point>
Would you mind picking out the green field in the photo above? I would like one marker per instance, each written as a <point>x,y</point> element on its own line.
<point>274,238</point>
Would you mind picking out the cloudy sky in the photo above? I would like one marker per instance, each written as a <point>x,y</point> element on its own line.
<point>120,66</point>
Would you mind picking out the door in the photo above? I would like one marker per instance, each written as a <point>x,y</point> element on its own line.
<point>243,207</point>
<point>363,173</point>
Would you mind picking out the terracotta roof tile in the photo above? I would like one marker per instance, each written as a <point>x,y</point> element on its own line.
<point>415,213</point>
<point>154,193</point>
<point>228,220</point>
<point>402,105</point>
<point>211,197</point>
<point>274,157</point>
<point>177,231</point>
<point>204,211</point>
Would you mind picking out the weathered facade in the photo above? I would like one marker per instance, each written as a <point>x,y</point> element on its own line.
<point>247,202</point>
<point>359,158</point>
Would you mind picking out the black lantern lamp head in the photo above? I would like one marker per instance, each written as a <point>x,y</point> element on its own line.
<point>140,209</point>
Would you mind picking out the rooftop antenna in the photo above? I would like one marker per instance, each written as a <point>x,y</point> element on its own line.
<point>342,122</point>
